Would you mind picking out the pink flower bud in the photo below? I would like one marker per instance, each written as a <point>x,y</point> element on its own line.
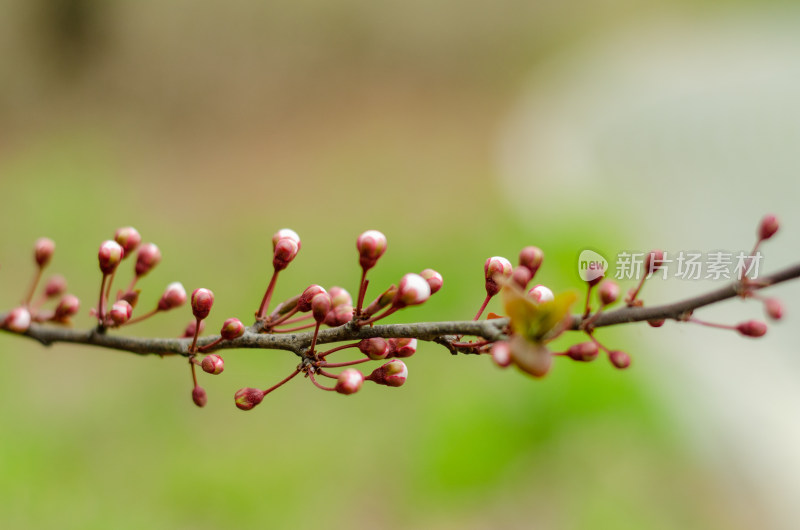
<point>304,304</point>
<point>541,294</point>
<point>501,354</point>
<point>494,266</point>
<point>285,233</point>
<point>199,396</point>
<point>286,250</point>
<point>120,312</point>
<point>339,315</point>
<point>619,359</point>
<point>232,329</point>
<point>393,373</point>
<point>654,260</point>
<point>752,328</point>
<point>128,238</point>
<point>191,327</point>
<point>371,245</point>
<point>402,347</point>
<point>339,296</point>
<point>55,286</point>
<point>656,323</point>
<point>174,296</point>
<point>433,278</point>
<point>608,292</point>
<point>531,258</point>
<point>18,320</point>
<point>320,306</point>
<point>148,257</point>
<point>774,308</point>
<point>521,276</point>
<point>412,290</point>
<point>109,256</point>
<point>67,307</point>
<point>376,348</point>
<point>583,351</point>
<point>43,251</point>
<point>212,364</point>
<point>247,398</point>
<point>349,381</point>
<point>768,227</point>
<point>202,300</point>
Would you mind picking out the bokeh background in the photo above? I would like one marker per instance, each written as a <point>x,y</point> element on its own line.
<point>461,130</point>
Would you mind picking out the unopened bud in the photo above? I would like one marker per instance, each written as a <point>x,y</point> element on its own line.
<point>402,347</point>
<point>608,292</point>
<point>247,398</point>
<point>412,290</point>
<point>521,276</point>
<point>541,294</point>
<point>67,307</point>
<point>43,251</point>
<point>382,301</point>
<point>304,304</point>
<point>339,296</point>
<point>501,354</point>
<point>583,351</point>
<point>339,315</point>
<point>128,238</point>
<point>653,261</point>
<point>55,286</point>
<point>494,266</point>
<point>774,308</point>
<point>433,278</point>
<point>752,328</point>
<point>18,320</point>
<point>531,258</point>
<point>109,256</point>
<point>371,245</point>
<point>768,227</point>
<point>191,329</point>
<point>349,381</point>
<point>286,250</point>
<point>393,373</point>
<point>120,312</point>
<point>232,329</point>
<point>619,359</point>
<point>376,348</point>
<point>656,322</point>
<point>199,396</point>
<point>285,233</point>
<point>174,296</point>
<point>148,257</point>
<point>212,364</point>
<point>320,306</point>
<point>202,300</point>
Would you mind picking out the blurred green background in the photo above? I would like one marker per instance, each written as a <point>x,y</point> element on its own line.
<point>208,127</point>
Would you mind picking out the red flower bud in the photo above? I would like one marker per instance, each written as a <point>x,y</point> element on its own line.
<point>285,233</point>
<point>339,296</point>
<point>531,258</point>
<point>55,286</point>
<point>393,373</point>
<point>191,327</point>
<point>619,359</point>
<point>120,312</point>
<point>67,307</point>
<point>109,256</point>
<point>656,323</point>
<point>583,351</point>
<point>608,292</point>
<point>412,290</point>
<point>371,245</point>
<point>199,396</point>
<point>501,354</point>
<point>212,364</point>
<point>653,261</point>
<point>521,276</point>
<point>43,251</point>
<point>752,328</point>
<point>174,296</point>
<point>768,227</point>
<point>286,250</point>
<point>493,266</point>
<point>304,304</point>
<point>232,329</point>
<point>774,308</point>
<point>247,398</point>
<point>541,294</point>
<point>433,278</point>
<point>320,306</point>
<point>376,348</point>
<point>339,315</point>
<point>148,257</point>
<point>128,238</point>
<point>202,300</point>
<point>349,381</point>
<point>18,320</point>
<point>402,347</point>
